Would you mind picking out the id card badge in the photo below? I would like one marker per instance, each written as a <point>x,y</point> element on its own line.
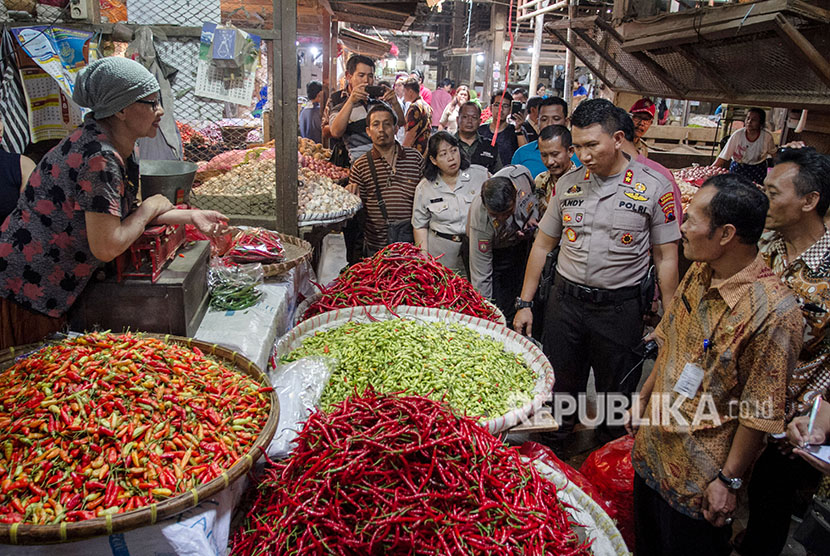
<point>690,380</point>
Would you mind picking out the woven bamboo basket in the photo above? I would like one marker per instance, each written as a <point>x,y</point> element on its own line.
<point>513,342</point>
<point>19,533</point>
<point>309,301</point>
<point>296,251</point>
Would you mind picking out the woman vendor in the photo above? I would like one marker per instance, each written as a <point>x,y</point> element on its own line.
<point>79,207</point>
<point>748,149</point>
<point>443,199</point>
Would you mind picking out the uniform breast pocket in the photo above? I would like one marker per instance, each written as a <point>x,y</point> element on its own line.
<point>438,209</point>
<point>573,228</point>
<point>628,232</point>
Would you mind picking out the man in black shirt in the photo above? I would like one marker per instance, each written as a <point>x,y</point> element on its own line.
<point>530,127</point>
<point>472,145</point>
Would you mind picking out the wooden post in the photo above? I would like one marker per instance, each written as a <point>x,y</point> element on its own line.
<point>537,51</point>
<point>495,57</point>
<point>284,54</point>
<point>570,60</point>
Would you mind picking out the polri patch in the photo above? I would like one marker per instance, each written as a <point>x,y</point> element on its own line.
<point>484,245</point>
<point>640,187</point>
<point>578,217</point>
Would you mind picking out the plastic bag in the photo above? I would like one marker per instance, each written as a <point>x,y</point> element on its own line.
<point>299,386</point>
<point>256,245</point>
<point>610,470</point>
<point>219,245</point>
<point>535,451</point>
<point>234,288</point>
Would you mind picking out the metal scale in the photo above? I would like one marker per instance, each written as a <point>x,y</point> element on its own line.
<point>160,283</point>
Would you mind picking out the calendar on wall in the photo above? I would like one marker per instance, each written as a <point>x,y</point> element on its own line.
<point>213,82</point>
<point>49,59</point>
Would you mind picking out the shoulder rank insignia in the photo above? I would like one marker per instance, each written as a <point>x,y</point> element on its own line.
<point>587,174</point>
<point>635,196</point>
<point>629,176</point>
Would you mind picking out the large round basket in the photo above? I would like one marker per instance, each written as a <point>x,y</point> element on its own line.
<point>20,533</point>
<point>296,251</point>
<point>514,343</point>
<point>311,300</point>
<point>599,527</point>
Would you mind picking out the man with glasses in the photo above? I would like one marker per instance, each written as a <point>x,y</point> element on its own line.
<point>552,111</point>
<point>642,113</point>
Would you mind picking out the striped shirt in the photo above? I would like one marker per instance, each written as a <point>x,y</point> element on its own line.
<point>397,186</point>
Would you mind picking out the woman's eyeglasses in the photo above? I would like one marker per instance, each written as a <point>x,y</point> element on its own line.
<point>154,103</point>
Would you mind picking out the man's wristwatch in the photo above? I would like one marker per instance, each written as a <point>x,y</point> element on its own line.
<point>522,304</point>
<point>731,484</point>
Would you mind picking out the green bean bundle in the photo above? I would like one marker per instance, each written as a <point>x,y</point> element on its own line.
<point>475,375</point>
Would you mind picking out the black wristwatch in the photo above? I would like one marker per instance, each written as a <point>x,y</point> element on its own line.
<point>731,484</point>
<point>522,304</point>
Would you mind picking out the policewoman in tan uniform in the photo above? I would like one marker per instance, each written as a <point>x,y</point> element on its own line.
<point>443,199</point>
<point>606,216</point>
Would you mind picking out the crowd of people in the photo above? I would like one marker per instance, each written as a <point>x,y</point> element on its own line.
<point>564,222</point>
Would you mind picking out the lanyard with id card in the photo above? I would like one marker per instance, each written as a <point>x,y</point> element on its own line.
<point>691,378</point>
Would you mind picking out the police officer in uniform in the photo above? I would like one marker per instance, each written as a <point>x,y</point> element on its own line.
<point>605,216</point>
<point>501,224</point>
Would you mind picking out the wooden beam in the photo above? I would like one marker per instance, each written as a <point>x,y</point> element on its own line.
<point>685,35</point>
<point>384,23</point>
<point>802,48</point>
<point>705,67</point>
<point>284,54</point>
<point>660,73</point>
<point>603,53</point>
<point>324,4</point>
<point>595,70</point>
<point>408,23</point>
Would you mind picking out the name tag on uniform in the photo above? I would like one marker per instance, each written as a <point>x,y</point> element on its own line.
<point>690,380</point>
<point>438,200</point>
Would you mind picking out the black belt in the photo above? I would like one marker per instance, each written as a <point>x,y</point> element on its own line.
<point>458,238</point>
<point>597,295</point>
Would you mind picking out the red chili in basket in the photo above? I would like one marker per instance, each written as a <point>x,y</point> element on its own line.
<point>401,274</point>
<point>113,417</point>
<point>387,474</point>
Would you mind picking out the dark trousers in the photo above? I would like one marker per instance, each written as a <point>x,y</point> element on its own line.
<point>772,487</point>
<point>508,274</point>
<point>579,335</point>
<point>663,531</point>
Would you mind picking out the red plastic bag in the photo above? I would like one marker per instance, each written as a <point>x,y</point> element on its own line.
<point>610,471</point>
<point>534,451</point>
<point>219,245</point>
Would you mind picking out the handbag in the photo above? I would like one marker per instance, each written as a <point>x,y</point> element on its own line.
<point>397,231</point>
<point>340,155</point>
<point>814,531</point>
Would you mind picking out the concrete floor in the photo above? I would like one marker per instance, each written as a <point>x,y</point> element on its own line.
<point>333,260</point>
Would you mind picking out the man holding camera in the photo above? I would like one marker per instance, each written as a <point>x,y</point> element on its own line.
<point>345,115</point>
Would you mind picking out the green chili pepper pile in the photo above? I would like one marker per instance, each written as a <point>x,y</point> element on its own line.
<point>232,297</point>
<point>384,474</point>
<point>476,374</point>
<point>104,424</point>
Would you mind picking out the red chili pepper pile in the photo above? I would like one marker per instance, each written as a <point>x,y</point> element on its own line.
<point>104,423</point>
<point>256,245</point>
<point>402,475</point>
<point>401,274</point>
